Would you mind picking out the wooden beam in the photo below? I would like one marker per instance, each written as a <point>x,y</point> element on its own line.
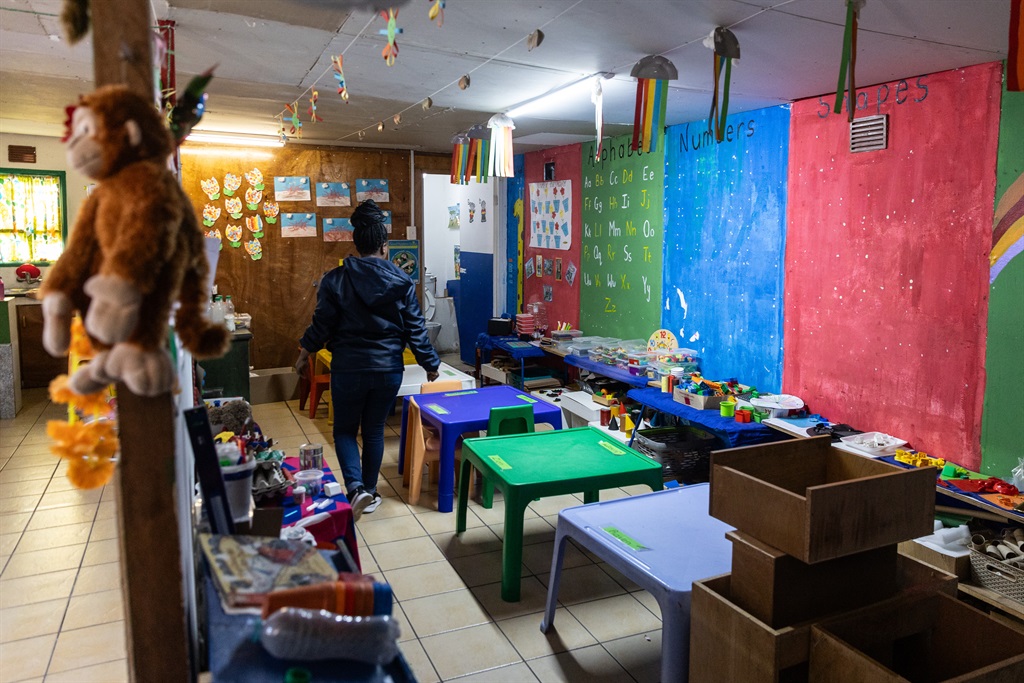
<point>150,550</point>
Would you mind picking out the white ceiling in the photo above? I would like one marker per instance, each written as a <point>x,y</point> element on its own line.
<point>270,52</point>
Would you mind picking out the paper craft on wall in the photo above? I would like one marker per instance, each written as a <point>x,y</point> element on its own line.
<point>558,269</point>
<point>539,264</point>
<point>255,225</point>
<point>234,234</point>
<point>337,230</point>
<point>270,211</point>
<point>291,188</point>
<point>254,249</point>
<point>551,215</point>
<point>406,255</point>
<point>472,211</point>
<point>387,220</point>
<point>570,273</point>
<point>253,197</point>
<point>528,268</point>
<point>255,179</point>
<point>372,188</point>
<point>210,214</point>
<point>231,183</point>
<point>233,205</point>
<point>549,267</point>
<point>453,217</point>
<point>211,187</point>
<point>549,293</point>
<point>298,225</point>
<point>215,233</point>
<point>483,211</point>
<point>333,194</point>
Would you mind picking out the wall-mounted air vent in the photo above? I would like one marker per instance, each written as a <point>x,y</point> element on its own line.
<point>869,134</point>
<point>21,154</point>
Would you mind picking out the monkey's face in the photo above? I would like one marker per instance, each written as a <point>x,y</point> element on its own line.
<point>85,152</point>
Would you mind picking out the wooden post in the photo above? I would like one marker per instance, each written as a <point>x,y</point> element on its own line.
<point>150,550</point>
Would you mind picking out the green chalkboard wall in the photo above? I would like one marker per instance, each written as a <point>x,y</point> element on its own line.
<point>623,236</point>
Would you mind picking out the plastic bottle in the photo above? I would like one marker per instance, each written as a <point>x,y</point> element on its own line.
<point>302,634</point>
<point>229,313</point>
<point>217,309</point>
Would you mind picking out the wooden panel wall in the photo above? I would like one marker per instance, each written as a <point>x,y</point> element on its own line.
<point>279,290</point>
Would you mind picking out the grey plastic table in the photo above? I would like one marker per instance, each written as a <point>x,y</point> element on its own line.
<point>661,541</point>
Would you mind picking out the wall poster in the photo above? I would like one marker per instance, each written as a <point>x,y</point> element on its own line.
<point>551,215</point>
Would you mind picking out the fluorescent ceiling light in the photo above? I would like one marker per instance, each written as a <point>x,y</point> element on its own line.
<point>535,106</point>
<point>235,139</point>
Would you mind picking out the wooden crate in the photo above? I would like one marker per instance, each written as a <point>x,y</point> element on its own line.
<point>727,643</point>
<point>917,638</point>
<point>815,502</point>
<point>779,589</point>
<point>960,566</point>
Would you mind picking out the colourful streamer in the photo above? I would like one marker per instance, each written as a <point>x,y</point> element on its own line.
<point>390,51</point>
<point>339,76</point>
<point>293,109</point>
<point>313,117</point>
<point>437,12</point>
<point>649,116</point>
<point>848,57</point>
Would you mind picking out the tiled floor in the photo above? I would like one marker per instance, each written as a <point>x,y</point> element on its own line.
<point>60,603</point>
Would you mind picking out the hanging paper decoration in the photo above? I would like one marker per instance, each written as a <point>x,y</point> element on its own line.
<point>471,156</point>
<point>397,118</point>
<point>339,76</point>
<point>313,117</point>
<point>436,12</point>
<point>255,225</point>
<point>210,214</point>
<point>254,249</point>
<point>597,97</point>
<point>427,104</point>
<point>500,159</point>
<point>215,233</point>
<point>464,82</point>
<point>234,234</point>
<point>1015,53</point>
<point>255,178</point>
<point>390,51</point>
<point>534,39</point>
<point>726,48</point>
<point>211,187</point>
<point>380,126</point>
<point>280,130</point>
<point>849,57</point>
<point>649,116</point>
<point>293,109</point>
<point>233,206</point>
<point>270,211</point>
<point>190,106</point>
<point>231,183</point>
<point>252,198</point>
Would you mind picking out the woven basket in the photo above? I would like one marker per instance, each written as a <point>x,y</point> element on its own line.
<point>997,575</point>
<point>683,452</point>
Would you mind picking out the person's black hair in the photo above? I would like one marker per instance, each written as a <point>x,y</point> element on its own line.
<point>369,233</point>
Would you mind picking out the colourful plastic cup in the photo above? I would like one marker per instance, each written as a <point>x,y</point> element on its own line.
<point>727,408</point>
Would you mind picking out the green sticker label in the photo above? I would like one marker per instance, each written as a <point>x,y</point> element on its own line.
<point>611,448</point>
<point>528,399</point>
<point>496,459</point>
<point>460,393</point>
<point>626,540</point>
<point>434,408</point>
<point>450,373</point>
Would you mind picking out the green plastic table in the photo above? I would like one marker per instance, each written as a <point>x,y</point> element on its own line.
<point>528,466</point>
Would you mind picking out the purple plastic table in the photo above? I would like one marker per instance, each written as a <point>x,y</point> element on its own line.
<point>457,412</point>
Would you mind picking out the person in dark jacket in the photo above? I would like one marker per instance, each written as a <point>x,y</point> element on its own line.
<point>366,314</point>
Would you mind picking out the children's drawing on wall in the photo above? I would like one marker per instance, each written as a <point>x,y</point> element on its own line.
<point>333,194</point>
<point>558,269</point>
<point>337,230</point>
<point>233,206</point>
<point>387,221</point>
<point>298,225</point>
<point>254,249</point>
<point>453,217</point>
<point>234,234</point>
<point>472,210</point>
<point>549,293</point>
<point>528,268</point>
<point>291,188</point>
<point>211,187</point>
<point>570,273</point>
<point>271,210</point>
<point>253,197</point>
<point>483,211</point>
<point>254,225</point>
<point>549,267</point>
<point>539,265</point>
<point>255,179</point>
<point>372,188</point>
<point>551,215</point>
<point>458,263</point>
<point>231,183</point>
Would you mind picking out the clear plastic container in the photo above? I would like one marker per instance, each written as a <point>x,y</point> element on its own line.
<point>229,313</point>
<point>312,480</point>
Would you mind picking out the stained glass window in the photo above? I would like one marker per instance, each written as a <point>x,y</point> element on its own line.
<point>33,220</point>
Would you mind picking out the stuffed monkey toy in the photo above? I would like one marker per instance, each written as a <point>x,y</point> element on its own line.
<point>135,249</point>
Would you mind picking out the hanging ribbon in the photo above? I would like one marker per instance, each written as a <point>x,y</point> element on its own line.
<point>1015,54</point>
<point>500,151</point>
<point>597,97</point>
<point>280,130</point>
<point>313,117</point>
<point>726,48</point>
<point>390,51</point>
<point>339,76</point>
<point>849,58</point>
<point>649,115</point>
<point>437,12</point>
<point>293,109</point>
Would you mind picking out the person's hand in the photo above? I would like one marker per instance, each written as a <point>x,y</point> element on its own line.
<point>432,375</point>
<point>302,364</point>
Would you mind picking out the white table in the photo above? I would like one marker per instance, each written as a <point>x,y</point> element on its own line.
<point>415,376</point>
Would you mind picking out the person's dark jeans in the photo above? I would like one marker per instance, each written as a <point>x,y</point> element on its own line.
<point>362,400</point>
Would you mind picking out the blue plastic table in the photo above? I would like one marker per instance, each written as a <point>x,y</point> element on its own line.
<point>457,412</point>
<point>663,542</point>
<point>730,431</point>
<point>612,371</point>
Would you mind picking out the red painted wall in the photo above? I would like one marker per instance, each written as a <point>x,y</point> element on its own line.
<point>565,305</point>
<point>886,260</point>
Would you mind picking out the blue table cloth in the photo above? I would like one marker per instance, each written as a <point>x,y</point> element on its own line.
<point>612,371</point>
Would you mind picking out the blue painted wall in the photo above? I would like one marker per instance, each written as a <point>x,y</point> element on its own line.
<point>725,226</point>
<point>514,246</point>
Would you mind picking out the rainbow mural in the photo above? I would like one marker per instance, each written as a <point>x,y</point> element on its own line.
<point>1007,242</point>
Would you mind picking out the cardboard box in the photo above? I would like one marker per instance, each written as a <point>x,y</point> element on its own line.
<point>817,503</point>
<point>727,643</point>
<point>272,385</point>
<point>495,374</point>
<point>779,589</point>
<point>960,567</point>
<point>916,638</point>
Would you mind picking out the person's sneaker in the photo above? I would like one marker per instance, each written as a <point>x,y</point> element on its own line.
<point>374,504</point>
<point>360,499</point>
